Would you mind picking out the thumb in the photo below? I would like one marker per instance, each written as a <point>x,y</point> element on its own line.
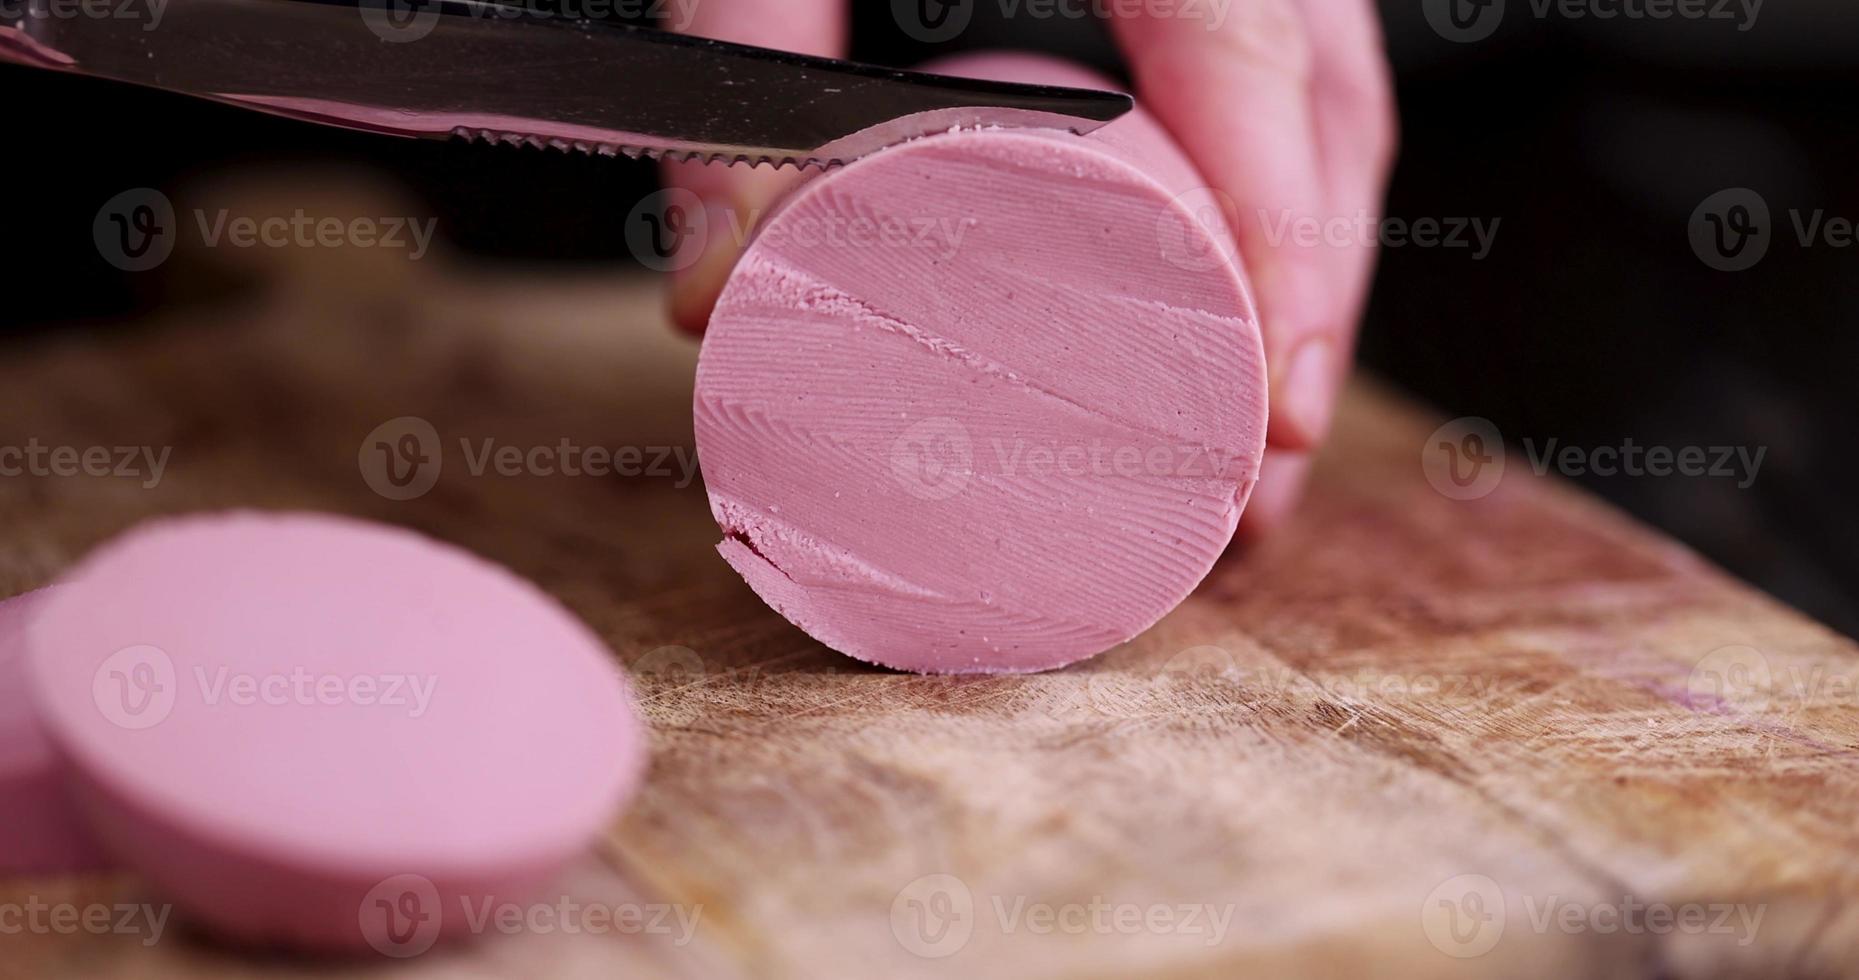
<point>735,197</point>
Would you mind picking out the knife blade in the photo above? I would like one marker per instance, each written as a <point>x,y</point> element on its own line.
<point>510,74</point>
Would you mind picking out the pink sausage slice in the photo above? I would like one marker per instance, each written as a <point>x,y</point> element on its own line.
<point>317,732</point>
<point>40,833</point>
<point>988,401</point>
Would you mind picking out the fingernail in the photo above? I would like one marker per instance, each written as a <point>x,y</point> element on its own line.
<point>1306,391</point>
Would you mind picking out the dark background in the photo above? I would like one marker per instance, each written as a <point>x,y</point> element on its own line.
<point>1591,321</point>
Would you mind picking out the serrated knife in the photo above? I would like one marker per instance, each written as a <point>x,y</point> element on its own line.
<point>497,72</point>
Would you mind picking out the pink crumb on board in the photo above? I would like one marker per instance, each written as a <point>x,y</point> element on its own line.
<point>317,732</point>
<point>988,401</point>
<point>39,831</point>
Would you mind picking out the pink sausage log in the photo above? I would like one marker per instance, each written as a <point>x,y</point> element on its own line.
<point>989,401</point>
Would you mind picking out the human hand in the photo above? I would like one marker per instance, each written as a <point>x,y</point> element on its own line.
<point>1287,109</point>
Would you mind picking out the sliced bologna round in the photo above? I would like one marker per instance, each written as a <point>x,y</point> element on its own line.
<point>317,732</point>
<point>40,834</point>
<point>987,401</point>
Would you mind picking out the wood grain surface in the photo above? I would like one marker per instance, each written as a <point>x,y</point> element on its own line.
<point>1514,736</point>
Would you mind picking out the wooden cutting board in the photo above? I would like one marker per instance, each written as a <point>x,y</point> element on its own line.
<point>1410,736</point>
